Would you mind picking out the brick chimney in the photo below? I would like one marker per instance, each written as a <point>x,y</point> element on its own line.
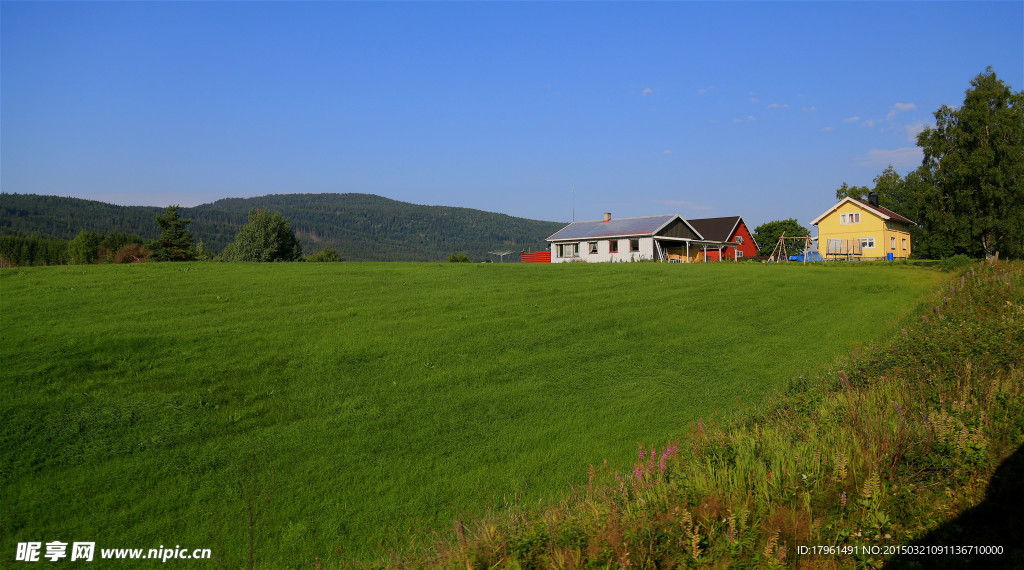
<point>607,216</point>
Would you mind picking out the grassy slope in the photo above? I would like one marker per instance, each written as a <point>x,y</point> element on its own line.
<point>143,403</point>
<point>911,457</point>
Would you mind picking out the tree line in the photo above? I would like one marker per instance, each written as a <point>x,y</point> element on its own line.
<point>361,227</point>
<point>267,236</point>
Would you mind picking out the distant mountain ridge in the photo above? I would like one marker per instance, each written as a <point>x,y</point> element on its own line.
<point>362,227</point>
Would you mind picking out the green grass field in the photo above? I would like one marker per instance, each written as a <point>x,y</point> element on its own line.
<point>339,406</point>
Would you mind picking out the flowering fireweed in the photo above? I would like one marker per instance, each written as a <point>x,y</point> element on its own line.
<point>885,452</point>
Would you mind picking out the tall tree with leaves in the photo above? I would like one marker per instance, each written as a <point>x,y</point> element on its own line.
<point>84,248</point>
<point>175,242</point>
<point>890,188</point>
<point>268,236</point>
<point>974,171</point>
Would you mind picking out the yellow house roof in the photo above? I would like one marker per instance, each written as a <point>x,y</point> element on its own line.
<point>884,213</point>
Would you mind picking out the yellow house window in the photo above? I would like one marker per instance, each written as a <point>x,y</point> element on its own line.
<point>851,218</point>
<point>892,243</point>
<point>867,243</point>
<point>904,243</point>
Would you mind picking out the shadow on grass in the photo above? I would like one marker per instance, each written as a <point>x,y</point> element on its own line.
<point>997,521</point>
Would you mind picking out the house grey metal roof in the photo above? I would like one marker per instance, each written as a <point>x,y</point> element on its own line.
<point>616,227</point>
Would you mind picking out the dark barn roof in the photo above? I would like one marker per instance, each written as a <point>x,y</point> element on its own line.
<point>716,229</point>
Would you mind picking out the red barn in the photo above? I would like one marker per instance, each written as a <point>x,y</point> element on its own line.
<point>729,229</point>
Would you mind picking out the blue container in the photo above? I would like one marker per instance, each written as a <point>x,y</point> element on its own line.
<point>889,256</point>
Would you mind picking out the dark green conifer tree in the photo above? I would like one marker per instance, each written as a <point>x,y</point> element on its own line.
<point>175,242</point>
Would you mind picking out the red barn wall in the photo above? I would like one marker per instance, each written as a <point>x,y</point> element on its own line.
<point>748,248</point>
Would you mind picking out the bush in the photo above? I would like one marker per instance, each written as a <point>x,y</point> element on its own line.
<point>458,258</point>
<point>328,254</point>
<point>955,262</point>
<point>132,253</point>
<point>268,236</point>
<point>202,253</point>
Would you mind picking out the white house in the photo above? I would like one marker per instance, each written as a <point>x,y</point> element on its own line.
<point>660,238</point>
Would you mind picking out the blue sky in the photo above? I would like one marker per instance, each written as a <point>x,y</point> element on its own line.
<point>759,109</point>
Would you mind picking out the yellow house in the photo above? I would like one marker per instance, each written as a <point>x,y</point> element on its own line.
<point>855,229</point>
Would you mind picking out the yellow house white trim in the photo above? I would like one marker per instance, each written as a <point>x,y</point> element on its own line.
<point>855,229</point>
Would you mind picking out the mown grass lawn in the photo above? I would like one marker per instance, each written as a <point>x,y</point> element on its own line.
<point>342,405</point>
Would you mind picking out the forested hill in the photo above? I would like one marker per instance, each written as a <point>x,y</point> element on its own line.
<point>361,227</point>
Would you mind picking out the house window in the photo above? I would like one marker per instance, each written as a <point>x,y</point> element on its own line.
<point>739,253</point>
<point>851,218</point>
<point>568,249</point>
<point>904,244</point>
<point>892,243</point>
<point>867,243</point>
<point>613,246</point>
<point>739,240</point>
<point>592,246</point>
<point>634,245</point>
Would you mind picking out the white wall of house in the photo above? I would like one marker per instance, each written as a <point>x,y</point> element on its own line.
<point>604,254</point>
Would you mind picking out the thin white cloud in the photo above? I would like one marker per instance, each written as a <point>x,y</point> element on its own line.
<point>914,129</point>
<point>778,106</point>
<point>826,129</point>
<point>809,108</point>
<point>853,119</point>
<point>755,100</point>
<point>684,204</point>
<point>900,158</point>
<point>667,152</point>
<point>647,91</point>
<point>704,90</point>
<point>747,120</point>
<point>870,123</point>
<point>898,107</point>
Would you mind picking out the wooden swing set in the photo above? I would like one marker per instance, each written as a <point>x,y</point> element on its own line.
<point>780,253</point>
